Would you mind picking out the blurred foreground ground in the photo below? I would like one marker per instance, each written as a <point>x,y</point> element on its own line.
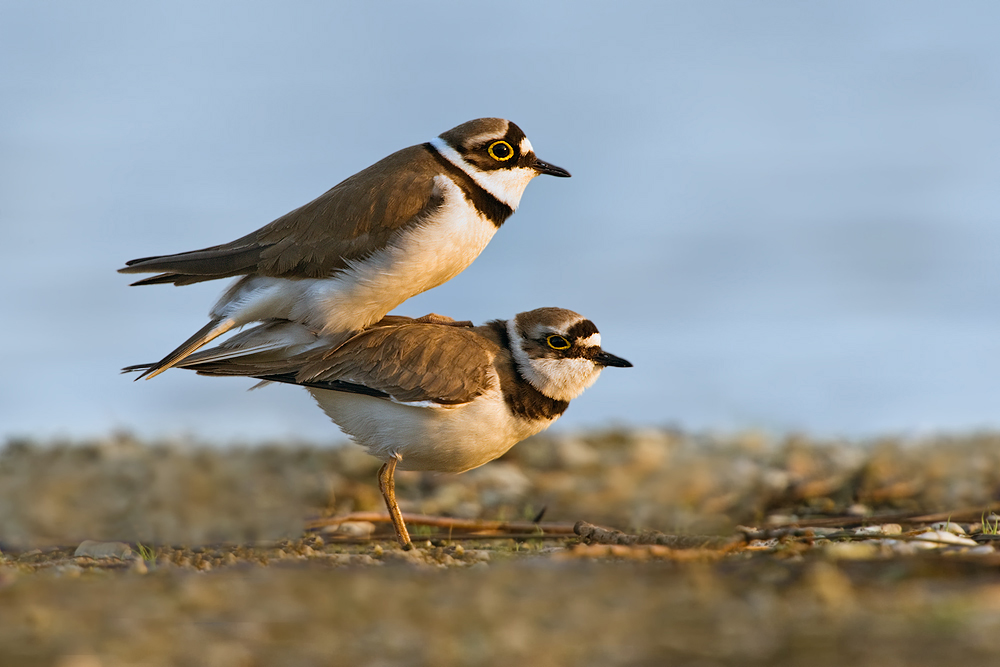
<point>768,552</point>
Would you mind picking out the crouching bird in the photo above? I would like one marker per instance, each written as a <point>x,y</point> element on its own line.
<point>428,393</point>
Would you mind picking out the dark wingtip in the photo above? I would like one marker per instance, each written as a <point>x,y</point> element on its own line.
<point>146,368</point>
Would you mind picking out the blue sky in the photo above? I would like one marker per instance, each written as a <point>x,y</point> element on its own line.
<point>784,214</point>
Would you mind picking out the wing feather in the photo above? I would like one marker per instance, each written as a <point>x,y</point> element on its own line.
<point>349,221</point>
<point>411,363</point>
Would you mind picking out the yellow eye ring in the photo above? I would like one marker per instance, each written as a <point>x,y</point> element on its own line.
<point>557,342</point>
<point>500,151</point>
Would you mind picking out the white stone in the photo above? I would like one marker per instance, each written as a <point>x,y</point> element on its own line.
<point>933,536</point>
<point>95,549</point>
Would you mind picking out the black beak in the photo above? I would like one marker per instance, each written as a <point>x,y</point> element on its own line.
<point>607,359</point>
<point>550,169</point>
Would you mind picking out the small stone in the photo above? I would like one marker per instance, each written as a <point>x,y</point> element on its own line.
<point>882,529</point>
<point>948,526</point>
<point>938,536</point>
<point>981,550</point>
<point>95,549</point>
<point>359,529</point>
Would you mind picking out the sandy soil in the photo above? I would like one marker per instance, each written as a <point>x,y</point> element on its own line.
<point>729,550</point>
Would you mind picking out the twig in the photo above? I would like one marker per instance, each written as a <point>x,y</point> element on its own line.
<point>451,523</point>
<point>446,537</point>
<point>591,534</point>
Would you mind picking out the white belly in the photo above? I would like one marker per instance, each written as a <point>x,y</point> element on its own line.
<point>428,254</point>
<point>453,439</point>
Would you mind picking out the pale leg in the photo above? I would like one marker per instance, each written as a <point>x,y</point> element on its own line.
<point>387,485</point>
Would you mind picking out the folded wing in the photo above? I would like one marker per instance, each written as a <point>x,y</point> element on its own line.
<point>344,224</point>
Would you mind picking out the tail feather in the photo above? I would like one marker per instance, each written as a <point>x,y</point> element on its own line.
<point>264,349</point>
<point>172,278</point>
<point>234,259</point>
<point>205,335</point>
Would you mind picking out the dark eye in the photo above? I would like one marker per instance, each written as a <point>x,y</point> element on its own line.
<point>557,342</point>
<point>500,151</point>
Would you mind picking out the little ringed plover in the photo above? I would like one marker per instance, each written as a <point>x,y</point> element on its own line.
<point>339,263</point>
<point>430,393</point>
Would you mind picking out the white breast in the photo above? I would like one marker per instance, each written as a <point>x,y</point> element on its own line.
<point>424,256</point>
<point>445,439</point>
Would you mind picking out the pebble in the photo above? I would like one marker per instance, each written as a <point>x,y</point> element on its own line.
<point>981,550</point>
<point>948,526</point>
<point>883,529</point>
<point>360,529</point>
<point>95,549</point>
<point>936,536</point>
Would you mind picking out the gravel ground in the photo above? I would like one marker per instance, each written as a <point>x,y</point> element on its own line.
<point>730,550</point>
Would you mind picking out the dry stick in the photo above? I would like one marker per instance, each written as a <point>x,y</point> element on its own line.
<point>474,525</point>
<point>437,538</point>
<point>591,534</point>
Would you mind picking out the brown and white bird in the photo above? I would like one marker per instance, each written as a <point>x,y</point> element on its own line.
<point>430,393</point>
<point>398,228</point>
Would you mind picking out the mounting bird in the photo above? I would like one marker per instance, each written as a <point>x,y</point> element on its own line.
<point>338,264</point>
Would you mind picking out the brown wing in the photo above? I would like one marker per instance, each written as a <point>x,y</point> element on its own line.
<point>411,362</point>
<point>346,223</point>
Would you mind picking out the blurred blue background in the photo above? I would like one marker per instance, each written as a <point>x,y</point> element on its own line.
<point>785,214</point>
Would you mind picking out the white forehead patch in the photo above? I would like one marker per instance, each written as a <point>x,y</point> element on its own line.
<point>593,340</point>
<point>526,146</point>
